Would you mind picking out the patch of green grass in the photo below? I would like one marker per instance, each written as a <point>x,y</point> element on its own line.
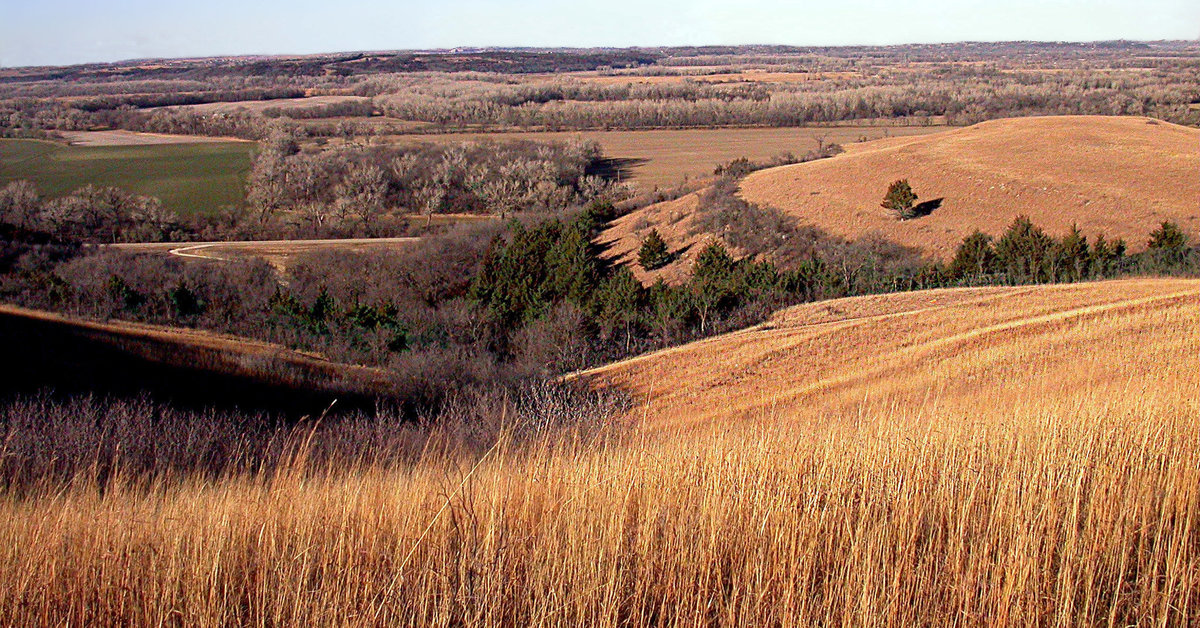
<point>188,178</point>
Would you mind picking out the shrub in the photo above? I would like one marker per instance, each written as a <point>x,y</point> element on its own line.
<point>900,199</point>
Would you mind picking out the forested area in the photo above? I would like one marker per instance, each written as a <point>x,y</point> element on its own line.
<point>350,191</point>
<point>530,296</point>
<point>636,89</point>
<point>507,303</point>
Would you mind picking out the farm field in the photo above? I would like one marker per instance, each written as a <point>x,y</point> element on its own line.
<point>188,178</point>
<point>119,137</point>
<point>1117,176</point>
<point>664,158</point>
<point>257,106</point>
<point>968,456</point>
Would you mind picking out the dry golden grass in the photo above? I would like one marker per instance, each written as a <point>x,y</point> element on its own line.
<point>675,221</point>
<point>255,106</point>
<point>666,157</point>
<point>121,137</point>
<point>1116,176</point>
<point>1023,456</point>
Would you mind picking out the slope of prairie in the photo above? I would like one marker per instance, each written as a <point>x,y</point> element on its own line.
<point>186,365</point>
<point>675,222</point>
<point>1116,176</point>
<point>964,346</point>
<point>995,457</point>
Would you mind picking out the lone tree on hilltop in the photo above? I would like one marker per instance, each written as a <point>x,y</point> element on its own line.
<point>900,199</point>
<point>654,253</point>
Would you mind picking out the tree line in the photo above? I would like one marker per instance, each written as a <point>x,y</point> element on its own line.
<point>507,302</point>
<point>348,191</point>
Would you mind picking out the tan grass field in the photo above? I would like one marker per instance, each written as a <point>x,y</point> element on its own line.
<point>665,158</point>
<point>993,457</point>
<point>133,138</point>
<point>255,106</point>
<point>1116,176</point>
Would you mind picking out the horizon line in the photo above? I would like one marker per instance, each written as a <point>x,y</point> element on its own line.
<point>491,48</point>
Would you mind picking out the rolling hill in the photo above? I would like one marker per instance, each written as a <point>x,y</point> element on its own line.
<point>970,350</point>
<point>1120,176</point>
<point>188,366</point>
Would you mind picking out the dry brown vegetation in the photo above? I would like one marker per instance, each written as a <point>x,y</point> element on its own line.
<point>664,158</point>
<point>134,138</point>
<point>1119,177</point>
<point>278,253</point>
<point>1013,456</point>
<point>713,75</point>
<point>675,221</point>
<point>291,105</point>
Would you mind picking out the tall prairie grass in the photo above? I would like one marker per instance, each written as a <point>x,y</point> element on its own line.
<point>1025,508</point>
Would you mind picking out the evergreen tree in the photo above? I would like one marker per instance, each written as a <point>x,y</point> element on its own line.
<point>1072,256</point>
<point>1024,252</point>
<point>900,199</point>
<point>975,257</point>
<point>184,302</point>
<point>1167,248</point>
<point>1102,255</point>
<point>1168,236</point>
<point>712,285</point>
<point>654,253</point>
<point>618,302</point>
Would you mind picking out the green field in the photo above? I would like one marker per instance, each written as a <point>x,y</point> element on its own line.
<point>188,178</point>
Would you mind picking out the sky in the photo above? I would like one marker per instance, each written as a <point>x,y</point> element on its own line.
<point>60,32</point>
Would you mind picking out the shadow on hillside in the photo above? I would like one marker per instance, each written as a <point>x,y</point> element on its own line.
<point>66,358</point>
<point>618,169</point>
<point>926,208</point>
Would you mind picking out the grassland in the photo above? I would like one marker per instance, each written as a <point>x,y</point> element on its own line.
<point>1110,175</point>
<point>189,178</point>
<point>666,158</point>
<point>283,104</point>
<point>1011,456</point>
<point>121,137</point>
<point>186,365</point>
<point>675,221</point>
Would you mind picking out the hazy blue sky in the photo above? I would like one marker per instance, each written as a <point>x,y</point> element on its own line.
<point>73,31</point>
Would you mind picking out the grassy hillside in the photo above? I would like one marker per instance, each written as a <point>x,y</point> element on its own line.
<point>1117,176</point>
<point>1013,456</point>
<point>188,178</point>
<point>187,366</point>
<point>966,345</point>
